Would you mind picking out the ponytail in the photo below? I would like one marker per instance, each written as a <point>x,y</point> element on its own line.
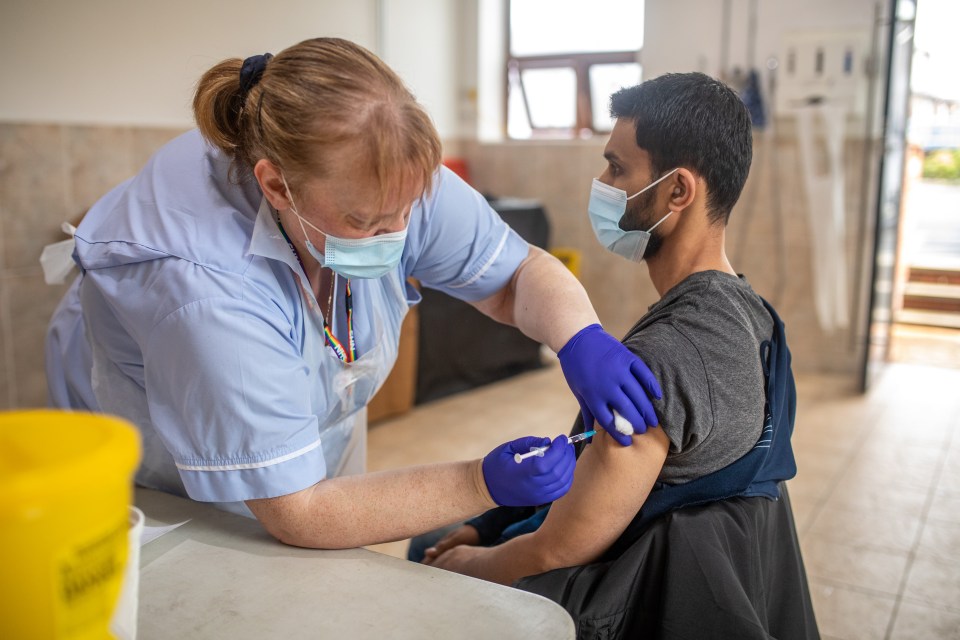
<point>217,106</point>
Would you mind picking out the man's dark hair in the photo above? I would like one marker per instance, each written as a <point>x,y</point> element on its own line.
<point>691,120</point>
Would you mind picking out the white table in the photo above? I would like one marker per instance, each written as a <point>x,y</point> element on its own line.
<point>222,576</point>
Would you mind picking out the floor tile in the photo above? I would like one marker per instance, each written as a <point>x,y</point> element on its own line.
<point>856,567</point>
<point>888,471</point>
<point>870,496</point>
<point>820,460</point>
<point>949,481</point>
<point>940,540</point>
<point>809,485</point>
<point>935,581</point>
<point>945,508</point>
<point>804,510</point>
<point>917,622</point>
<point>849,614</point>
<point>868,528</point>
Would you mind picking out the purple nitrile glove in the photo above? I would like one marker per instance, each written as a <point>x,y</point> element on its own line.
<point>605,377</point>
<point>531,482</point>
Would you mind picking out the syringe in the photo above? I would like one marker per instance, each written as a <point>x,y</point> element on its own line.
<point>538,451</point>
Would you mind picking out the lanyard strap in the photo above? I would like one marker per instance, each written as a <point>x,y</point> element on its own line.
<point>349,353</point>
<point>346,354</point>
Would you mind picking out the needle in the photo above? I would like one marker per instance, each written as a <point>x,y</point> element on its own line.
<point>538,451</point>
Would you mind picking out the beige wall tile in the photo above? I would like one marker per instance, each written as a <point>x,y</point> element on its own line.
<point>33,199</point>
<point>98,158</point>
<point>8,390</point>
<point>146,141</point>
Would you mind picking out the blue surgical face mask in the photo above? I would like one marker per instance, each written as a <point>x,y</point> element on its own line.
<point>354,258</point>
<point>606,208</point>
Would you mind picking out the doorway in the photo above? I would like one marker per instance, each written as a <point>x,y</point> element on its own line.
<point>926,301</point>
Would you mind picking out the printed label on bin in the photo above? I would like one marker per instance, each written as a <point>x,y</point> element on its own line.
<point>89,576</point>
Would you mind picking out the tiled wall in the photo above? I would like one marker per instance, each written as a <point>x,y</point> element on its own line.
<point>559,174</point>
<point>52,173</point>
<point>49,174</point>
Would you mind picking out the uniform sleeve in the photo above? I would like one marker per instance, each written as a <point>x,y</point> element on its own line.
<point>686,408</point>
<point>227,390</point>
<point>458,244</point>
<point>68,361</point>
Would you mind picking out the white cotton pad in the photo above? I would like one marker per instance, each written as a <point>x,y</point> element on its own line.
<point>622,425</point>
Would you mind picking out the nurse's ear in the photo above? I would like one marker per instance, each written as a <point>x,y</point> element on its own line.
<point>683,189</point>
<point>271,183</point>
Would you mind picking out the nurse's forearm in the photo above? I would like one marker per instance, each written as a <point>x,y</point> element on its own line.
<point>544,300</point>
<point>353,511</point>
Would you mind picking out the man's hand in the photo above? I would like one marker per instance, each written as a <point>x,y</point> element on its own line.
<point>463,559</point>
<point>466,535</point>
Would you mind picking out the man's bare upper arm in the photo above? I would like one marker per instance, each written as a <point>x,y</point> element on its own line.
<point>611,484</point>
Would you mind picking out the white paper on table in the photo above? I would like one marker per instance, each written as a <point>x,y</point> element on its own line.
<point>152,533</point>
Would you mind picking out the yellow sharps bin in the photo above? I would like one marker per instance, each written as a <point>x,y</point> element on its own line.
<point>65,489</point>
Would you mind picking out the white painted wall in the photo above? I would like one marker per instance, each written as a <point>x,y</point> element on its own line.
<point>686,35</point>
<point>130,62</point>
<point>419,39</point>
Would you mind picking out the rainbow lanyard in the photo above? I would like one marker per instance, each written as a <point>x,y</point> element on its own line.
<point>346,354</point>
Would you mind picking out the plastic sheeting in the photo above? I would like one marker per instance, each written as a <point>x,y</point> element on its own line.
<point>821,165</point>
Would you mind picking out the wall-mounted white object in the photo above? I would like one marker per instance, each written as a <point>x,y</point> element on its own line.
<point>831,67</point>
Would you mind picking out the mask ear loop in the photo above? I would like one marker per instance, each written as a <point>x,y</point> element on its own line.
<point>654,183</point>
<point>661,221</point>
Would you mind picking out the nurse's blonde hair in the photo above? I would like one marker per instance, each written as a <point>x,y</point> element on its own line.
<point>312,100</point>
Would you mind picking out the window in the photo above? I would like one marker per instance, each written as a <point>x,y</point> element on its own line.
<point>565,58</point>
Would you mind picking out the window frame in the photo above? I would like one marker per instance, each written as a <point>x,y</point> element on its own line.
<point>579,62</point>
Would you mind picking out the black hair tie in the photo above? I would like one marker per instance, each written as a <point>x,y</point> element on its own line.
<point>251,72</point>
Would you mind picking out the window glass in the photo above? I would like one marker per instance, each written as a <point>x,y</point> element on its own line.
<point>544,27</point>
<point>551,97</point>
<point>518,124</point>
<point>605,80</point>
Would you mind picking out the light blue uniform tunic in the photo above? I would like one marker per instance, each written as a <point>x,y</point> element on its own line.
<point>193,319</point>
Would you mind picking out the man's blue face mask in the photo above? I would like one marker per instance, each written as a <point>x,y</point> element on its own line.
<point>354,258</point>
<point>606,208</point>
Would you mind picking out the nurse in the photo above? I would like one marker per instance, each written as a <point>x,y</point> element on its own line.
<point>240,301</point>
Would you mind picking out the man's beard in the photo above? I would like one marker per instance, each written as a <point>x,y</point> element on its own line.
<point>640,216</point>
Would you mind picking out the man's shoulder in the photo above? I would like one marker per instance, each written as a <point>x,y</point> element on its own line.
<point>707,306</point>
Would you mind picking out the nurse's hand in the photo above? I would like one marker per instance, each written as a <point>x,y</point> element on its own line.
<point>605,377</point>
<point>534,481</point>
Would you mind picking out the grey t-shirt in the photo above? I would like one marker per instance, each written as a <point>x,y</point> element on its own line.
<point>702,342</point>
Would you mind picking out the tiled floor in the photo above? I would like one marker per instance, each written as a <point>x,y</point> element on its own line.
<point>876,498</point>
